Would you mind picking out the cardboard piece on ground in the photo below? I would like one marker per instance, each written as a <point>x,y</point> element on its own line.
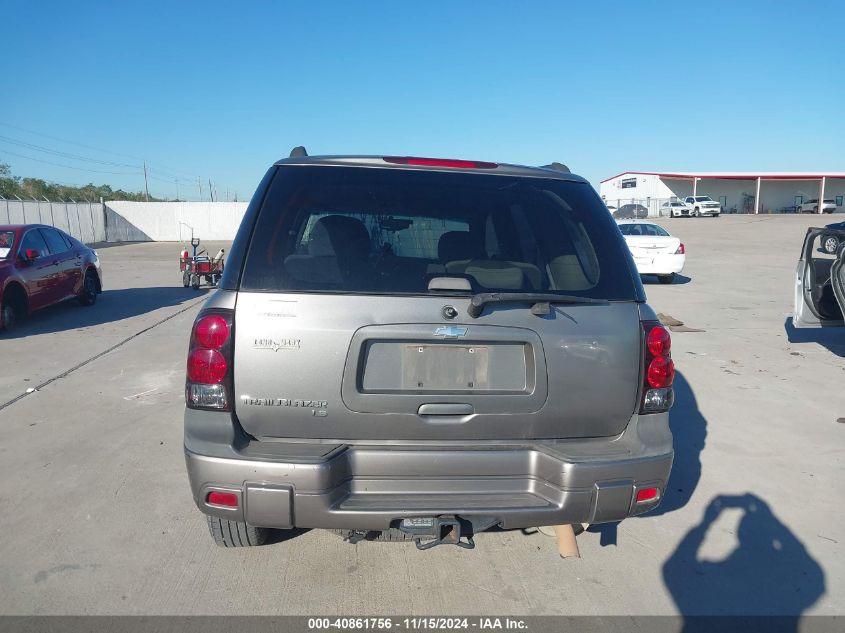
<point>567,547</point>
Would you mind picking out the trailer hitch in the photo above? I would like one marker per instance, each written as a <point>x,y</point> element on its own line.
<point>429,532</point>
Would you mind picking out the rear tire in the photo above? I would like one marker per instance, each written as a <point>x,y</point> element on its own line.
<point>233,534</point>
<point>88,296</point>
<point>10,317</point>
<point>186,279</point>
<point>13,307</point>
<point>195,281</point>
<point>666,279</point>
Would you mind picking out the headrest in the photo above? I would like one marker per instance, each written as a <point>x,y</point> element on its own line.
<point>458,245</point>
<point>339,236</point>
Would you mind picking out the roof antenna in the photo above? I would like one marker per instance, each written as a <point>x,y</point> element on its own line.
<point>298,152</point>
<point>558,167</point>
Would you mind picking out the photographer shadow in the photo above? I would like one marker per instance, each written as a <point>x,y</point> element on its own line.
<point>768,573</point>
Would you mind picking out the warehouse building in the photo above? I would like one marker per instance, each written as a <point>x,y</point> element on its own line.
<point>738,192</point>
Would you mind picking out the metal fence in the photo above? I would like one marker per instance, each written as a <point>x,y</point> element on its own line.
<point>83,220</point>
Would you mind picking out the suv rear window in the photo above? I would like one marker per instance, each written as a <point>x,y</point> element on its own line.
<point>389,231</point>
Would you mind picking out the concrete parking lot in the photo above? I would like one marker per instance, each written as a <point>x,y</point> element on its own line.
<point>97,516</point>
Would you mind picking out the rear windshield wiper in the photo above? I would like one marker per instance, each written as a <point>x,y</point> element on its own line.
<point>539,301</point>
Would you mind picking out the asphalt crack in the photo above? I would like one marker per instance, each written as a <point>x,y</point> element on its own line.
<point>68,372</point>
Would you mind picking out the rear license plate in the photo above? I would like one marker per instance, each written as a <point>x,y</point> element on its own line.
<point>445,367</point>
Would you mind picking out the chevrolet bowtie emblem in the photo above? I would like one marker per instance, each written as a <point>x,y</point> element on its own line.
<point>450,331</point>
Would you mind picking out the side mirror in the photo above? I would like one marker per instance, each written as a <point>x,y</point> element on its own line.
<point>30,255</point>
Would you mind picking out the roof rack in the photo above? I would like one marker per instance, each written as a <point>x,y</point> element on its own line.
<point>558,167</point>
<point>298,152</point>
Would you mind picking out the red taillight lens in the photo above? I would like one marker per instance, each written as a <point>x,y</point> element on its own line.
<point>206,366</point>
<point>658,341</point>
<point>211,331</point>
<point>680,250</point>
<point>647,494</point>
<point>658,368</point>
<point>209,382</point>
<point>228,499</point>
<point>661,372</point>
<point>439,162</point>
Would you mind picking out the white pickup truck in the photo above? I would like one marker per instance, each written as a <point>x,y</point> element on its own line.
<point>702,205</point>
<point>812,206</point>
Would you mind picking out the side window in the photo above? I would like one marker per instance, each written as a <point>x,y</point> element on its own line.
<point>54,241</point>
<point>66,239</point>
<point>33,240</point>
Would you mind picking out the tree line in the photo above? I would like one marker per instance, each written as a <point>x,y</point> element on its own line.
<point>38,189</point>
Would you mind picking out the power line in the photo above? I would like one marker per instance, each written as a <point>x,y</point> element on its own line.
<point>170,174</point>
<point>63,140</point>
<point>46,150</point>
<point>95,171</point>
<point>98,149</point>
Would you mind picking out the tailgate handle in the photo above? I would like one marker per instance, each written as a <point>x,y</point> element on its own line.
<point>445,409</point>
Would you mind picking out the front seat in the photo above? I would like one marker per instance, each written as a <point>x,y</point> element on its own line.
<point>338,252</point>
<point>456,249</point>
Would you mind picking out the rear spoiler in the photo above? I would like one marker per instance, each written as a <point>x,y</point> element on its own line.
<point>558,167</point>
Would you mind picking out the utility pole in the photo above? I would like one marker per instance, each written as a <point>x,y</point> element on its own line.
<point>177,189</point>
<point>146,186</point>
<point>210,190</point>
<point>199,184</point>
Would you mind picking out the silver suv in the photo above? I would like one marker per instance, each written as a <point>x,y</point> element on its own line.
<point>415,348</point>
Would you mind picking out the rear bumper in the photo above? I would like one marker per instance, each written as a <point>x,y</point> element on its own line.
<point>662,265</point>
<point>372,487</point>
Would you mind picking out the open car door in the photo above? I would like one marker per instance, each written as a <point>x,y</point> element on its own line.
<point>820,282</point>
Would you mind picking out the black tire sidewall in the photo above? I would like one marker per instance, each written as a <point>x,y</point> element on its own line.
<point>12,313</point>
<point>88,297</point>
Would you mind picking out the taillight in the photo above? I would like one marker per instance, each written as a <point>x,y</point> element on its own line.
<point>207,366</point>
<point>658,369</point>
<point>208,383</point>
<point>439,162</point>
<point>680,250</point>
<point>212,331</point>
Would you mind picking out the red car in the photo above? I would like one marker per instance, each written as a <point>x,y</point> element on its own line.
<point>41,266</point>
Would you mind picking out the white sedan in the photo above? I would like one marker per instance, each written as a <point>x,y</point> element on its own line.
<point>655,251</point>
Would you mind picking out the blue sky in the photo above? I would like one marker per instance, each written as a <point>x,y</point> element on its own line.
<point>221,89</point>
